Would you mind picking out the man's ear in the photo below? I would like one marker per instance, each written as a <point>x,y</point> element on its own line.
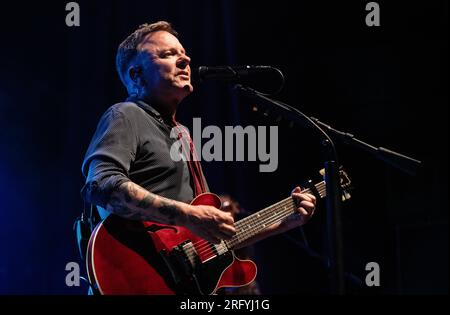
<point>134,72</point>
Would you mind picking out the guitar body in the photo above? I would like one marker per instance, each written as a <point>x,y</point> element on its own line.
<point>135,257</point>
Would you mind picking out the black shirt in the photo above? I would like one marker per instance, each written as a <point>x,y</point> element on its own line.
<point>132,142</point>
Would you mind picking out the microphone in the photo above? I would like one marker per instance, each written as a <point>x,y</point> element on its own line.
<point>232,73</point>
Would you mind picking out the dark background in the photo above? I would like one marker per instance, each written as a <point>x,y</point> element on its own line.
<point>387,85</point>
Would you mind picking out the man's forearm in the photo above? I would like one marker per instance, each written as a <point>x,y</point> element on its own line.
<point>133,202</point>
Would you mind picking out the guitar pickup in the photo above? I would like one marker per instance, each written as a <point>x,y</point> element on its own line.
<point>190,253</point>
<point>181,261</point>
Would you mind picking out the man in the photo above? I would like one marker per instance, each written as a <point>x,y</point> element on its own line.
<point>128,167</point>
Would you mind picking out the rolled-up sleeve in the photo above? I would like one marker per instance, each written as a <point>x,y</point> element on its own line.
<point>108,159</point>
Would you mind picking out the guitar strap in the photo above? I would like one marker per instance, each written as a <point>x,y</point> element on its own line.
<point>83,227</point>
<point>195,169</point>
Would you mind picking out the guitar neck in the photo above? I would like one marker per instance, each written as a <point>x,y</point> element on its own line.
<point>257,222</point>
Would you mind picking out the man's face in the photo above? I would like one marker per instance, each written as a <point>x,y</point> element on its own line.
<point>165,67</point>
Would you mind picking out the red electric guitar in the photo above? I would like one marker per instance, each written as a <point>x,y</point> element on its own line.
<point>135,257</point>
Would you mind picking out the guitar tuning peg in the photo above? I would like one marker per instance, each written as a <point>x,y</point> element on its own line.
<point>345,195</point>
<point>322,172</point>
<point>254,108</point>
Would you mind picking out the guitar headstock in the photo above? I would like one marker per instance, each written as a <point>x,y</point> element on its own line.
<point>344,181</point>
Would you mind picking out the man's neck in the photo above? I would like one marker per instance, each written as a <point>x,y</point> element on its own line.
<point>167,110</point>
<point>166,103</point>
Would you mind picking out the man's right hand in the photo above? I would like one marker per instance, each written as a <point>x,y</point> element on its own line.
<point>210,223</point>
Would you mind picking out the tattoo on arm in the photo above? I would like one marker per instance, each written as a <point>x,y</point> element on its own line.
<point>131,191</point>
<point>117,206</point>
<point>169,210</point>
<point>147,202</point>
<point>133,202</point>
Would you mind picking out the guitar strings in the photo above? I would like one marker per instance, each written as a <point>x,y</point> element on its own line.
<point>249,233</point>
<point>253,217</point>
<point>262,219</point>
<point>202,246</point>
<point>269,220</point>
<point>319,187</point>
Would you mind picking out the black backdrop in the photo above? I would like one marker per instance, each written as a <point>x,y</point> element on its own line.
<point>387,85</point>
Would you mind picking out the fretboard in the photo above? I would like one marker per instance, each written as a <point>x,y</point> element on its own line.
<point>257,222</point>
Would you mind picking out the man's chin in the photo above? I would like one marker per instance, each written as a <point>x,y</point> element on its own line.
<point>188,88</point>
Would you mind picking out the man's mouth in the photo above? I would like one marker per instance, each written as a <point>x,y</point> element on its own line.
<point>185,74</point>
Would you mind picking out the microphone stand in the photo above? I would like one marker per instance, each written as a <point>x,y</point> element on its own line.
<point>400,161</point>
<point>332,182</point>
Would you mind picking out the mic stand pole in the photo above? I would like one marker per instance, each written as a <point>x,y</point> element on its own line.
<point>400,161</point>
<point>333,198</point>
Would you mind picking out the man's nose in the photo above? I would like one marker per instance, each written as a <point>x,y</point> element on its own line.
<point>183,61</point>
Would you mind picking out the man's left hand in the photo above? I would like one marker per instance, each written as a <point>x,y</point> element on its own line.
<point>306,204</point>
